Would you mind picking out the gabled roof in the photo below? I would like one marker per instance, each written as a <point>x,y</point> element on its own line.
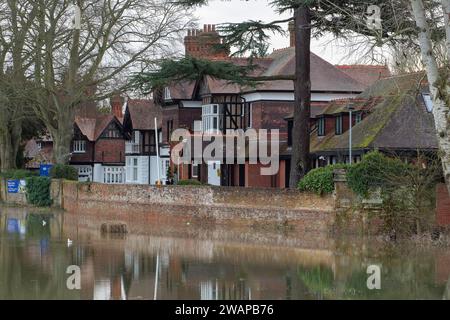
<point>92,128</point>
<point>399,121</point>
<point>142,114</point>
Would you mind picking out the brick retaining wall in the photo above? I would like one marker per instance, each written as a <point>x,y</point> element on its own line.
<point>202,205</point>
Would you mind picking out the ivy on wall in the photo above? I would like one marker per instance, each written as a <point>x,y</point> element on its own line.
<point>38,191</point>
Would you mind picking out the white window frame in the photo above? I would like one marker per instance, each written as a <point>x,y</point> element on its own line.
<point>79,146</point>
<point>132,170</point>
<point>211,114</point>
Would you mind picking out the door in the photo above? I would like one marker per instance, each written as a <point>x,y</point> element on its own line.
<point>214,173</point>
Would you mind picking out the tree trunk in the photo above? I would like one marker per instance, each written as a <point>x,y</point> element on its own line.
<point>300,162</point>
<point>9,145</point>
<point>62,137</point>
<point>439,92</point>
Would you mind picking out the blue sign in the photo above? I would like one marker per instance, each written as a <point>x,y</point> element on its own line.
<point>13,186</point>
<point>44,170</point>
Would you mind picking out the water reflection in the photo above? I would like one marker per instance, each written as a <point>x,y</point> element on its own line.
<point>189,262</point>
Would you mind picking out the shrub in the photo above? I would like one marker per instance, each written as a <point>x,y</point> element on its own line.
<point>189,182</point>
<point>63,171</point>
<point>18,174</point>
<point>375,170</point>
<point>38,191</point>
<point>320,180</point>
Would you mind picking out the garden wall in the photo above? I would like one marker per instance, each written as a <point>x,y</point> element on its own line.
<point>265,208</point>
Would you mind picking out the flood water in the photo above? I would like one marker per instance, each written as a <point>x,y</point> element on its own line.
<point>193,262</point>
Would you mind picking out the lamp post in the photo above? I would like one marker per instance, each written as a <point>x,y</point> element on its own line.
<point>350,110</point>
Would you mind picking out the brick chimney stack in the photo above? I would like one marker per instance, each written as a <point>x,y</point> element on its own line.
<point>202,43</point>
<point>292,33</point>
<point>117,102</point>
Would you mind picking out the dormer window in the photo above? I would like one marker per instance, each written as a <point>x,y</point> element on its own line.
<point>428,101</point>
<point>167,94</point>
<point>339,125</point>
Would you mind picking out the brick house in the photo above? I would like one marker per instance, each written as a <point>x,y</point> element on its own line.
<point>98,149</point>
<point>215,105</point>
<point>391,116</point>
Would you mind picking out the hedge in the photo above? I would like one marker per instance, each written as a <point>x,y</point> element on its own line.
<point>38,191</point>
<point>320,180</point>
<point>62,171</point>
<point>375,170</point>
<point>189,182</point>
<point>18,174</point>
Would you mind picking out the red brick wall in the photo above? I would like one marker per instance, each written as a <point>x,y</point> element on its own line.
<point>110,151</point>
<point>203,205</point>
<point>83,157</point>
<point>330,123</point>
<point>442,205</point>
<point>271,114</point>
<point>182,118</point>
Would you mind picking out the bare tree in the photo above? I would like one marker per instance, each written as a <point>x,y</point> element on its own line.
<point>14,85</point>
<point>86,49</point>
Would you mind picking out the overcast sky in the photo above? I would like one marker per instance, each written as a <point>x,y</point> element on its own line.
<point>220,11</point>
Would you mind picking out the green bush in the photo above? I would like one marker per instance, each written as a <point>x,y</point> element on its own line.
<point>18,174</point>
<point>375,170</point>
<point>189,182</point>
<point>63,171</point>
<point>320,180</point>
<point>38,191</point>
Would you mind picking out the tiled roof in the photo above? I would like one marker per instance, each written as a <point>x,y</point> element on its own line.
<point>92,128</point>
<point>142,113</point>
<point>399,120</point>
<point>324,76</point>
<point>366,74</point>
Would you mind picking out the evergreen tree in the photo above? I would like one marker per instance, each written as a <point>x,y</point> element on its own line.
<point>312,18</point>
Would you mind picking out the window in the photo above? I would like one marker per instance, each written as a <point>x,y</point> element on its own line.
<point>358,117</point>
<point>321,127</point>
<point>112,132</point>
<point>210,117</point>
<point>135,169</point>
<point>132,169</point>
<point>338,125</point>
<point>39,146</point>
<point>428,101</point>
<point>167,94</point>
<point>195,170</point>
<point>169,129</point>
<point>79,146</point>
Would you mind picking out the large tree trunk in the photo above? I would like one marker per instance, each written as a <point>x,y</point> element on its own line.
<point>438,87</point>
<point>300,161</point>
<point>10,139</point>
<point>62,137</point>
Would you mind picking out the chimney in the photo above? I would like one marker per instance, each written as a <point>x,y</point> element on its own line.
<point>116,102</point>
<point>292,33</point>
<point>203,43</point>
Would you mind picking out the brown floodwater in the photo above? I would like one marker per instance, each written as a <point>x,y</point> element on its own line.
<point>204,262</point>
